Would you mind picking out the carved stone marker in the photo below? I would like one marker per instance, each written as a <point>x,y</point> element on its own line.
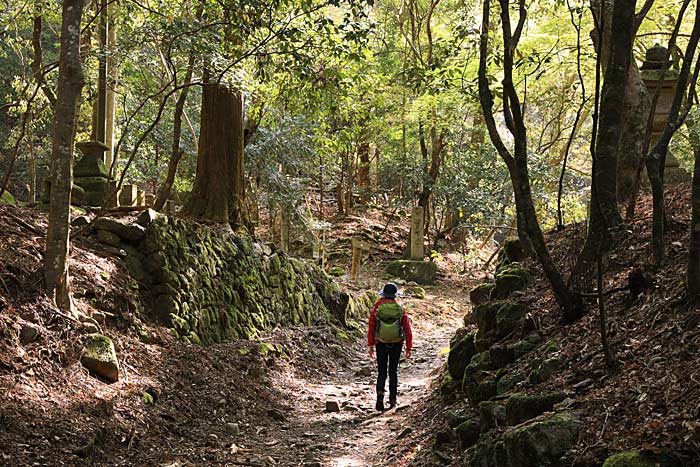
<point>128,195</point>
<point>417,233</point>
<point>358,246</point>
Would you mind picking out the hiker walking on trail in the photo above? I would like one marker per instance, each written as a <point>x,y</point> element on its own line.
<point>389,327</point>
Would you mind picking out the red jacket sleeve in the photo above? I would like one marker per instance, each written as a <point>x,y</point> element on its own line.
<point>370,327</point>
<point>406,325</point>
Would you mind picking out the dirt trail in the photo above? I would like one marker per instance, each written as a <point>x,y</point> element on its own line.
<point>358,435</point>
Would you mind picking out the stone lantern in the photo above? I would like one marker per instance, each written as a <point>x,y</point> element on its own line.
<point>90,172</point>
<point>656,72</point>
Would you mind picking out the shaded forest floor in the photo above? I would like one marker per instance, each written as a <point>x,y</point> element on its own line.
<point>255,402</point>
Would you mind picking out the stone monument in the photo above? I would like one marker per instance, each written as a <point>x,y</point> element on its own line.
<point>90,172</point>
<point>656,73</point>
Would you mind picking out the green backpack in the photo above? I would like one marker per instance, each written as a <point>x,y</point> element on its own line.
<point>388,327</point>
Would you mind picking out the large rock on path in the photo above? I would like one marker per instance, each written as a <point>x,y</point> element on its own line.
<point>100,357</point>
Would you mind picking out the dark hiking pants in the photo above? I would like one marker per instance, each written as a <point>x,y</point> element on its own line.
<point>388,358</point>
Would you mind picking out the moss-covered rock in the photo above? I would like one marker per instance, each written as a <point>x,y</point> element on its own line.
<point>422,272</point>
<point>630,459</point>
<point>100,357</point>
<point>491,414</point>
<point>462,350</point>
<point>542,370</point>
<point>7,198</point>
<point>542,442</point>
<point>481,293</point>
<point>468,433</point>
<point>415,292</point>
<point>499,318</point>
<point>509,279</point>
<point>337,271</point>
<point>127,232</point>
<point>522,407</point>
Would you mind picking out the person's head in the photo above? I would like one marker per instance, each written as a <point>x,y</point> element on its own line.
<point>389,291</point>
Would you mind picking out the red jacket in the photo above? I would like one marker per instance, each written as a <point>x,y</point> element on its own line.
<point>405,324</point>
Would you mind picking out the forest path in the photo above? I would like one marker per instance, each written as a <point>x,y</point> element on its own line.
<point>358,435</point>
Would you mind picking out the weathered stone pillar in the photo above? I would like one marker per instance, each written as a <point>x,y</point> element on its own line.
<point>128,195</point>
<point>140,198</point>
<point>417,233</point>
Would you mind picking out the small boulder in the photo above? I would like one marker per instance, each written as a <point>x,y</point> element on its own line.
<point>129,232</point>
<point>100,357</point>
<point>233,429</point>
<point>468,433</point>
<point>332,406</point>
<point>481,293</point>
<point>509,279</point>
<point>7,198</point>
<point>629,459</point>
<point>337,271</point>
<point>421,272</point>
<point>543,370</point>
<point>462,350</point>
<point>455,418</point>
<point>523,407</point>
<point>147,217</point>
<point>108,238</point>
<point>415,292</point>
<point>79,221</point>
<point>540,442</point>
<point>28,334</point>
<point>492,414</point>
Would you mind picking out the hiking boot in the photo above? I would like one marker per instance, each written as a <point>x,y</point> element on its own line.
<point>380,402</point>
<point>392,402</point>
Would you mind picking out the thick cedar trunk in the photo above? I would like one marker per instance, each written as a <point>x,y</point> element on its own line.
<point>635,110</point>
<point>693,279</point>
<point>529,226</point>
<point>219,186</point>
<point>604,213</point>
<point>176,151</point>
<point>634,122</point>
<point>70,83</point>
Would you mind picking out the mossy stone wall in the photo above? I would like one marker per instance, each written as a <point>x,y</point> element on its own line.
<point>214,286</point>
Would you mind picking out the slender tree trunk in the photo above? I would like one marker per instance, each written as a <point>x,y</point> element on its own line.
<point>363,182</point>
<point>176,152</point>
<point>219,186</point>
<point>517,162</point>
<point>70,83</point>
<point>111,104</point>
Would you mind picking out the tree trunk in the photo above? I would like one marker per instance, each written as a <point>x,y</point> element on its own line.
<point>693,279</point>
<point>636,107</point>
<point>111,91</point>
<point>70,83</point>
<point>219,186</point>
<point>604,213</point>
<point>363,182</point>
<point>517,162</point>
<point>176,152</point>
